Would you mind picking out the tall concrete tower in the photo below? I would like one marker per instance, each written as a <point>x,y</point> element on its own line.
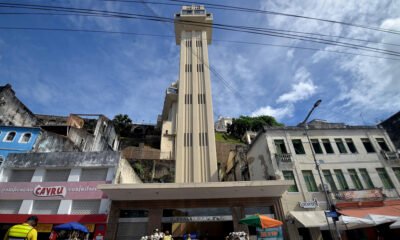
<point>195,154</point>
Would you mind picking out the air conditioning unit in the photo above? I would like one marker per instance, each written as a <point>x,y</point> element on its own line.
<point>327,187</point>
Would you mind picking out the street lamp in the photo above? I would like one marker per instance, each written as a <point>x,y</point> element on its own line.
<point>317,166</point>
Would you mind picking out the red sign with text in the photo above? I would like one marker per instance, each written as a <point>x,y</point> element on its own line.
<point>50,190</point>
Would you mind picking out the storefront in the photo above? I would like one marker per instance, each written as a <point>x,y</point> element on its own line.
<point>54,203</point>
<point>205,210</point>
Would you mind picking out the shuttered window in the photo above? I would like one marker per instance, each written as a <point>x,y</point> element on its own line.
<point>45,206</point>
<point>10,206</point>
<point>21,175</point>
<point>85,207</point>
<point>95,174</point>
<point>59,175</point>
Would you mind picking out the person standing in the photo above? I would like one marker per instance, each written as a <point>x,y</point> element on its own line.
<point>167,236</point>
<point>24,231</point>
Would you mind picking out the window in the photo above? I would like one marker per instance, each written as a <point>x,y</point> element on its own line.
<point>368,146</point>
<point>329,179</point>
<point>340,145</point>
<point>288,175</point>
<point>1,160</point>
<point>310,181</point>
<point>298,146</point>
<point>21,176</point>
<point>45,206</point>
<point>188,140</point>
<point>188,67</point>
<point>341,180</point>
<point>387,183</point>
<point>351,145</point>
<point>280,146</point>
<point>57,175</point>
<point>365,176</point>
<point>94,174</point>
<point>85,207</point>
<point>383,144</point>
<point>10,137</point>
<point>396,171</point>
<point>25,138</point>
<point>316,146</point>
<point>201,98</point>
<point>327,146</point>
<point>203,139</point>
<point>10,206</point>
<point>188,99</point>
<point>355,179</point>
<point>200,68</point>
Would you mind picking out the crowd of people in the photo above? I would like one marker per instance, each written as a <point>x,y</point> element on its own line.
<point>158,235</point>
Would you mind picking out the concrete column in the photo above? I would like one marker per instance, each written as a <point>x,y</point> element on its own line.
<point>65,207</point>
<point>75,175</point>
<point>104,206</point>
<point>112,226</point>
<point>237,214</point>
<point>155,216</point>
<point>38,175</point>
<point>26,207</point>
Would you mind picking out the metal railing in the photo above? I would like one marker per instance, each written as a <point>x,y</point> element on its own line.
<point>283,158</point>
<point>390,156</point>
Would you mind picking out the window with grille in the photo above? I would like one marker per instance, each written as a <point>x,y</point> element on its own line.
<point>199,43</point>
<point>365,176</point>
<point>350,145</point>
<point>203,139</point>
<point>200,67</point>
<point>341,179</point>
<point>188,141</point>
<point>188,67</point>
<point>387,182</point>
<point>310,181</point>
<point>85,207</point>
<point>201,98</point>
<point>340,145</point>
<point>188,99</point>
<point>25,138</point>
<point>382,144</point>
<point>288,175</point>
<point>316,146</point>
<point>329,179</point>
<point>368,145</point>
<point>327,146</point>
<point>355,179</point>
<point>10,206</point>
<point>188,43</point>
<point>298,146</point>
<point>93,174</point>
<point>10,136</point>
<point>21,175</point>
<point>45,206</point>
<point>57,175</point>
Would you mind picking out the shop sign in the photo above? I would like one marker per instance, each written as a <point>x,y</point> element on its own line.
<point>44,227</point>
<point>269,233</point>
<point>309,204</point>
<point>50,191</point>
<point>196,219</point>
<point>360,194</point>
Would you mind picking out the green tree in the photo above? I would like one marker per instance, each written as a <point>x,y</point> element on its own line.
<point>245,123</point>
<point>122,124</point>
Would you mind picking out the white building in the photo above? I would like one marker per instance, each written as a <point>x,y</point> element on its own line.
<point>221,125</point>
<point>351,158</point>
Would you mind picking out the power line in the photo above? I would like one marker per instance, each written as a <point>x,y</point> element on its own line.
<point>171,36</point>
<point>236,8</point>
<point>244,29</point>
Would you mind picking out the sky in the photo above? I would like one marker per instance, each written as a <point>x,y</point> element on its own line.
<point>58,72</point>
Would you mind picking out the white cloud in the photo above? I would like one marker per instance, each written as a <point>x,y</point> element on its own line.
<point>278,113</point>
<point>301,90</point>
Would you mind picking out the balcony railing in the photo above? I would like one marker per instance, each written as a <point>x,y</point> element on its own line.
<point>391,156</point>
<point>283,158</point>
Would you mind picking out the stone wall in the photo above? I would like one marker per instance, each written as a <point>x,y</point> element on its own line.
<point>12,111</point>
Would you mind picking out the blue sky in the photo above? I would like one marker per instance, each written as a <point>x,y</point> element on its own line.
<point>63,72</point>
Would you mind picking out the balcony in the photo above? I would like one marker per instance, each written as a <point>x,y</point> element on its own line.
<point>283,159</point>
<point>391,157</point>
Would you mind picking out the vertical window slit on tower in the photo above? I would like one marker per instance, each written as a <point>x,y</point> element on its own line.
<point>188,43</point>
<point>200,67</point>
<point>188,67</point>
<point>202,98</point>
<point>188,99</point>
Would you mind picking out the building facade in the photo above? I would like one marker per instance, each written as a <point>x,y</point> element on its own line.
<point>57,187</point>
<point>221,125</point>
<point>352,159</point>
<point>17,140</point>
<point>392,127</point>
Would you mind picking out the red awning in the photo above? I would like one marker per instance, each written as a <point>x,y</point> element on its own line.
<point>54,219</point>
<point>390,208</point>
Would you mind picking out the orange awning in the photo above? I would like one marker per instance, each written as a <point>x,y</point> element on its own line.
<point>389,210</point>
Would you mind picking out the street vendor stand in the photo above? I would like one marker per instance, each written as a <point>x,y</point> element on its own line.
<point>267,228</point>
<point>70,231</point>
